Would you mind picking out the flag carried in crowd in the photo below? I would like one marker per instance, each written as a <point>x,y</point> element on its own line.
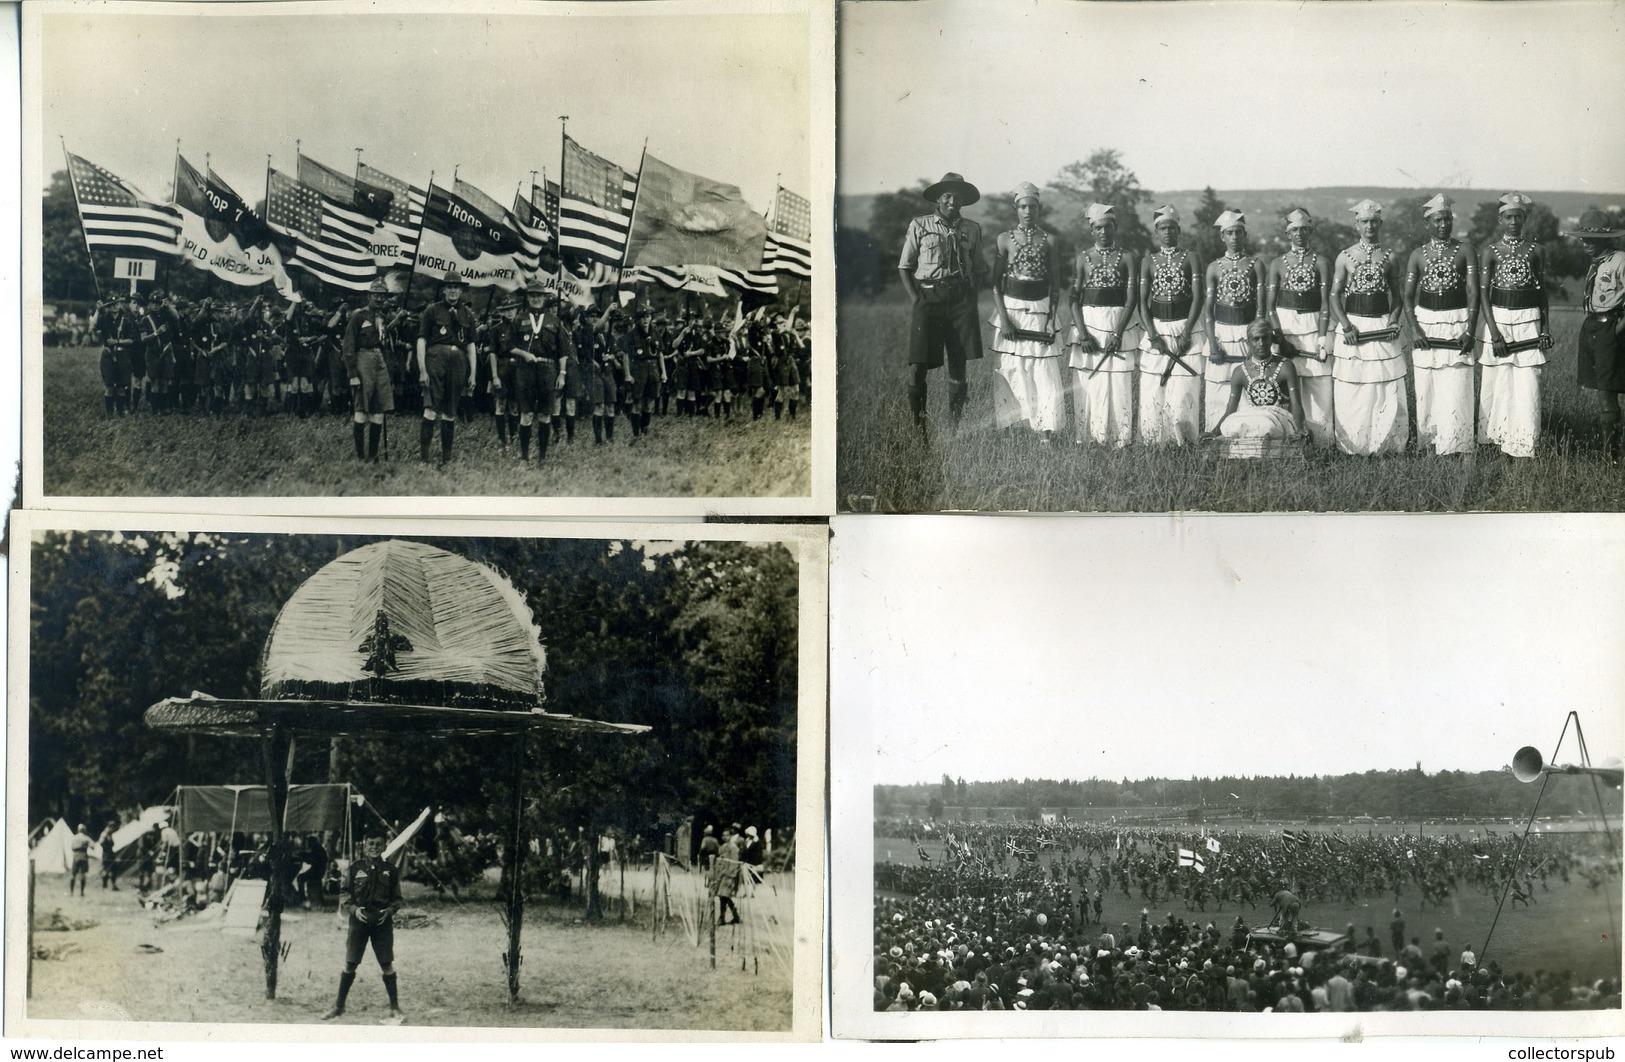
<point>789,239</point>
<point>596,198</point>
<point>114,214</point>
<point>398,207</point>
<point>321,246</point>
<point>220,235</point>
<point>683,219</point>
<point>464,232</point>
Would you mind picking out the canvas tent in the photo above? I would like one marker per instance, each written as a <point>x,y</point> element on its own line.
<point>54,852</point>
<point>247,809</point>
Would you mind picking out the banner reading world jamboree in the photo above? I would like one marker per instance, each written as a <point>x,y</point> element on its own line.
<point>221,235</point>
<point>458,238</point>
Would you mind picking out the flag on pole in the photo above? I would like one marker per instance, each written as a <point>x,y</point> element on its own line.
<point>683,219</point>
<point>398,208</point>
<point>789,238</point>
<point>596,198</point>
<point>346,216</point>
<point>535,235</point>
<point>460,236</point>
<point>545,198</point>
<point>323,245</point>
<point>220,235</point>
<point>113,213</point>
<point>1187,857</point>
<point>1213,845</point>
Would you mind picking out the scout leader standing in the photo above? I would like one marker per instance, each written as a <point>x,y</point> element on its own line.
<point>1514,337</point>
<point>942,267</point>
<point>1295,302</point>
<point>370,896</point>
<point>1441,295</point>
<point>1171,352</point>
<point>366,365</point>
<point>643,365</point>
<point>447,359</point>
<point>1602,352</point>
<point>1106,345</point>
<point>536,345</point>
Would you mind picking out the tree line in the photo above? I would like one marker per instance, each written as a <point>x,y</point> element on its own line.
<point>698,642</point>
<point>1398,794</point>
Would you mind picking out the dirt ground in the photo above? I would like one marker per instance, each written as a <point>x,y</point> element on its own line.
<point>613,974</point>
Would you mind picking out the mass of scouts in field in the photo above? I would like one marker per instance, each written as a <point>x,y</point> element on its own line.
<point>1240,348</point>
<point>532,365</point>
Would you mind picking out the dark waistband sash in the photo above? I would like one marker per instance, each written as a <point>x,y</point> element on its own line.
<point>1302,301</point>
<point>1515,298</point>
<point>1032,290</point>
<point>1238,314</point>
<point>1103,296</point>
<point>1454,299</point>
<point>1171,309</point>
<point>1367,304</point>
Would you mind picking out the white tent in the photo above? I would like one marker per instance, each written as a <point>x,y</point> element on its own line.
<point>131,832</point>
<point>54,852</point>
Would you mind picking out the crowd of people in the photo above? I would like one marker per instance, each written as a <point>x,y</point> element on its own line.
<point>1010,916</point>
<point>1290,348</point>
<point>534,366</point>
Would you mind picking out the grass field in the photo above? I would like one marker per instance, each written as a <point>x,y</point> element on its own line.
<point>87,453</point>
<point>883,465</point>
<point>1568,928</point>
<point>610,975</point>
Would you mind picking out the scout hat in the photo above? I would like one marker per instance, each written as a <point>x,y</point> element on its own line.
<point>1100,212</point>
<point>1298,218</point>
<point>1515,201</point>
<point>953,182</point>
<point>1439,204</point>
<point>378,287</point>
<point>453,277</point>
<point>1229,219</point>
<point>536,287</point>
<point>1024,190</point>
<point>1596,225</point>
<point>1366,208</point>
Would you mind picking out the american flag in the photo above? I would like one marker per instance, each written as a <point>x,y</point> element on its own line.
<point>545,198</point>
<point>789,239</point>
<point>595,206</point>
<point>703,278</point>
<point>535,235</point>
<point>114,214</point>
<point>339,193</point>
<point>324,244</point>
<point>402,204</point>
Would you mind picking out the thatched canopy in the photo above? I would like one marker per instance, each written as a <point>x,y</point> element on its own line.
<point>393,637</point>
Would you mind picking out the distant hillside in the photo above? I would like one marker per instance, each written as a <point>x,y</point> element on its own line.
<point>1322,202</point>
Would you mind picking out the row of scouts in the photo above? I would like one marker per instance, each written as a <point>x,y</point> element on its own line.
<point>533,367</point>
<point>1293,347</point>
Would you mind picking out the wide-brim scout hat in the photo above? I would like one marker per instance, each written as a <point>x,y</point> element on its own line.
<point>453,279</point>
<point>1596,225</point>
<point>378,287</point>
<point>953,182</point>
<point>536,287</point>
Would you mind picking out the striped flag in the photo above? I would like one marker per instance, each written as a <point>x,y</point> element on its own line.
<point>399,209</point>
<point>706,280</point>
<point>596,198</point>
<point>325,245</point>
<point>1186,857</point>
<point>220,235</point>
<point>789,238</point>
<point>114,214</point>
<point>467,232</point>
<point>535,235</point>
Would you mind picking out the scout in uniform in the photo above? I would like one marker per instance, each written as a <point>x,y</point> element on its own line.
<point>504,371</point>
<point>118,328</point>
<point>1441,295</point>
<point>534,345</point>
<point>1105,341</point>
<point>1171,361</point>
<point>1370,411</point>
<point>1601,350</point>
<point>366,339</point>
<point>1295,302</point>
<point>1513,337</point>
<point>597,380</point>
<point>304,333</point>
<point>369,898</point>
<point>941,266</point>
<point>643,367</point>
<point>446,357</point>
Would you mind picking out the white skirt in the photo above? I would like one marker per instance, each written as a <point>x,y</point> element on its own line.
<point>1028,389</point>
<point>1171,411</point>
<point>1447,326</point>
<point>1102,321</point>
<point>1302,329</point>
<point>1509,388</point>
<point>1371,418</point>
<point>1257,422</point>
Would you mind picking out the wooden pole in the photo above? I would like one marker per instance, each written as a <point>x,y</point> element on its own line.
<point>516,862</point>
<point>274,753</point>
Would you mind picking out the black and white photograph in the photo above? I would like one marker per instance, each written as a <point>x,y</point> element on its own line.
<point>1225,777</point>
<point>1230,256</point>
<point>521,257</point>
<point>386,782</point>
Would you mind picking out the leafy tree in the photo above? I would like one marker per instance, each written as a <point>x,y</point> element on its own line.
<point>889,216</point>
<point>1404,227</point>
<point>1102,178</point>
<point>1201,237</point>
<point>65,269</point>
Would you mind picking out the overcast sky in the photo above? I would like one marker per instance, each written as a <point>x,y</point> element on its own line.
<point>1249,94</point>
<point>726,96</point>
<point>1053,647</point>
